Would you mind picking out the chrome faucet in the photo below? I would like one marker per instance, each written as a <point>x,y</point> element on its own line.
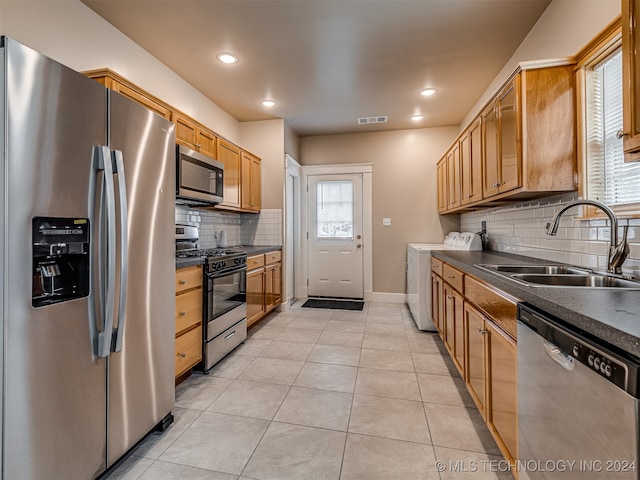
<point>618,252</point>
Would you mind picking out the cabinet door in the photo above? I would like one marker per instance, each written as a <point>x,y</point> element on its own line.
<point>454,329</point>
<point>503,410</point>
<point>471,164</point>
<point>436,303</point>
<point>448,315</point>
<point>250,176</point>
<point>255,295</point>
<point>476,355</point>
<point>186,131</point>
<point>273,289</point>
<point>510,157</point>
<point>631,79</point>
<point>453,178</point>
<point>229,154</point>
<point>442,185</point>
<point>491,181</point>
<point>206,142</point>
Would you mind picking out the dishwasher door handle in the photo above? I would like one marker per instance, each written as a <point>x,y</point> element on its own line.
<point>558,356</point>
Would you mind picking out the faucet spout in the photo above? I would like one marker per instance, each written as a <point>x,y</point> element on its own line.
<point>617,252</point>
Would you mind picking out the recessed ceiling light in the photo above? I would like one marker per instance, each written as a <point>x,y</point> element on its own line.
<point>417,118</point>
<point>427,92</point>
<point>227,58</point>
<point>268,103</point>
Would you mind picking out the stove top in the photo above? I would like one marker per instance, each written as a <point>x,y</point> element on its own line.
<point>206,252</point>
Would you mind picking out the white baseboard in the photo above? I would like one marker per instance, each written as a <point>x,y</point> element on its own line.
<point>386,297</point>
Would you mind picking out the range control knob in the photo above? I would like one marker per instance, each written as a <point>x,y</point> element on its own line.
<point>590,360</point>
<point>576,350</point>
<point>603,367</point>
<point>596,364</point>
<point>607,370</point>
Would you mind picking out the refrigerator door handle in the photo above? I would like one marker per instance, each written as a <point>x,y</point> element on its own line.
<point>118,168</point>
<point>109,257</point>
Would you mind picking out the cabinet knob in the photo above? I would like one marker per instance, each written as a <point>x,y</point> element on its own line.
<point>449,297</point>
<point>451,276</point>
<point>182,354</point>
<point>183,282</point>
<point>182,314</point>
<point>620,134</point>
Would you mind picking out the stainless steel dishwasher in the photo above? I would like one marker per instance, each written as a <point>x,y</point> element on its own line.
<point>577,403</point>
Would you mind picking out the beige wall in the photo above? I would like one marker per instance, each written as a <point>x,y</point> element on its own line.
<point>563,29</point>
<point>266,139</point>
<point>71,33</point>
<point>404,188</point>
<point>291,142</point>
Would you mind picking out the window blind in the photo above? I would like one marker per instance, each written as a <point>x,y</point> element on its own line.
<point>610,180</point>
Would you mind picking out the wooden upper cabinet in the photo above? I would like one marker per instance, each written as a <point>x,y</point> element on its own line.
<point>441,171</point>
<point>453,177</point>
<point>115,82</point>
<point>525,138</point>
<point>471,164</point>
<point>251,182</point>
<point>193,135</point>
<point>229,155</point>
<point>510,158</point>
<point>631,79</point>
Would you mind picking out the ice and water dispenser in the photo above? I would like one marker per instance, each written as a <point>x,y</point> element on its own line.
<point>60,259</point>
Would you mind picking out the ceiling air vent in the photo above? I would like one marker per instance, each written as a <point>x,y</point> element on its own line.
<point>367,120</point>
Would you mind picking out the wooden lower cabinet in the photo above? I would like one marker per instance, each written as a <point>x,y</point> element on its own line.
<point>436,303</point>
<point>255,295</point>
<point>454,328</point>
<point>476,356</point>
<point>503,385</point>
<point>264,285</point>
<point>477,323</point>
<point>188,319</point>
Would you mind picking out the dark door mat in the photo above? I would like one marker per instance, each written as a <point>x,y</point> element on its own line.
<point>334,304</point>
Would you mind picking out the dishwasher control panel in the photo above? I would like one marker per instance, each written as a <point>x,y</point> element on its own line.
<point>619,368</point>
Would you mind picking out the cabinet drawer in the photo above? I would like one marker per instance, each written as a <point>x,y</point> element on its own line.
<point>496,305</point>
<point>453,277</point>
<point>188,309</point>
<point>273,257</point>
<point>436,266</point>
<point>188,350</point>
<point>187,278</point>
<point>255,261</point>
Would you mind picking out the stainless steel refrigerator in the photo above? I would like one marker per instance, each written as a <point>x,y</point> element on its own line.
<point>88,270</point>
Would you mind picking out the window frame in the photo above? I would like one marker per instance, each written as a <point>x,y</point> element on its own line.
<point>605,44</point>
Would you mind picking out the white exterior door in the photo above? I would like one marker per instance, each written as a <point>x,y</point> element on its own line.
<point>335,236</point>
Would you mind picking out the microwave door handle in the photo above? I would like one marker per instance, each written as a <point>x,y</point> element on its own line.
<point>107,258</point>
<point>118,168</point>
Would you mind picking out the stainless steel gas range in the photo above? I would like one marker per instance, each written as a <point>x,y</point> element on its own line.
<point>225,295</point>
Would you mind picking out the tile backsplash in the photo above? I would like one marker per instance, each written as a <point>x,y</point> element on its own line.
<point>520,229</point>
<point>264,228</point>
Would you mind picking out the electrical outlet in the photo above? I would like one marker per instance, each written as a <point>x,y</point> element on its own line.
<point>386,222</point>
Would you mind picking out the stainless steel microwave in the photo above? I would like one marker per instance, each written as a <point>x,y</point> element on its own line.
<point>198,178</point>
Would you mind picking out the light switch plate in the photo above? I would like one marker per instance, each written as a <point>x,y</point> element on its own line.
<point>386,222</point>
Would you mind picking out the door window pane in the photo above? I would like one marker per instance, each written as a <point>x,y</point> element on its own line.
<point>334,211</point>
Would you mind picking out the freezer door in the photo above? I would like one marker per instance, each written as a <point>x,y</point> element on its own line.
<point>54,385</point>
<point>141,382</point>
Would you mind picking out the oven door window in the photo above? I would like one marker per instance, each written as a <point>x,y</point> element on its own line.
<point>226,293</point>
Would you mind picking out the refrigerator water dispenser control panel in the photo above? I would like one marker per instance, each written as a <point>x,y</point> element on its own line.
<point>60,260</point>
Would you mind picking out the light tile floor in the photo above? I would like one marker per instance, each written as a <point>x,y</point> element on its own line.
<point>324,394</point>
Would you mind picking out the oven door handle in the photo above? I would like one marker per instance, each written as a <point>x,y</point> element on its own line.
<point>224,273</point>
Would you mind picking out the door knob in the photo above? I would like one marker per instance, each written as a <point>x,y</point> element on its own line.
<point>358,237</point>
<point>359,245</point>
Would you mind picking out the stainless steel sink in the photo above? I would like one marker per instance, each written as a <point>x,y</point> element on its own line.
<point>535,269</point>
<point>559,276</point>
<point>576,280</point>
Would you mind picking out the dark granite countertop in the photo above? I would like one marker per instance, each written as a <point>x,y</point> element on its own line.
<point>612,315</point>
<point>250,249</point>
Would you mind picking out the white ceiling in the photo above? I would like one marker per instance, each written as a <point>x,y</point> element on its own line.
<point>327,62</point>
